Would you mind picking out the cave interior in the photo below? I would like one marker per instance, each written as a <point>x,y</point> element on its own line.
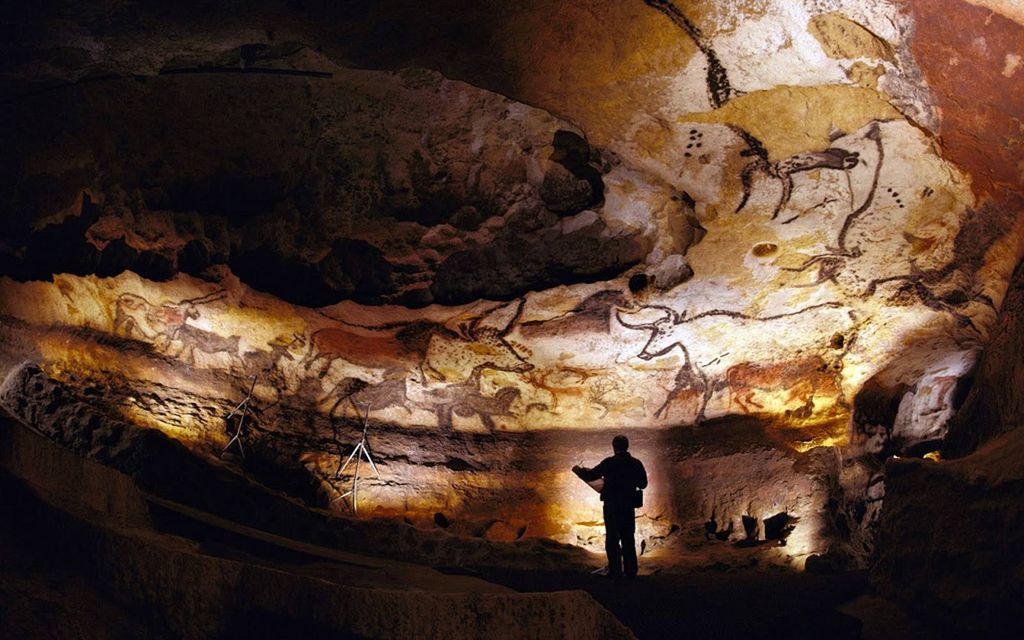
<point>308,309</point>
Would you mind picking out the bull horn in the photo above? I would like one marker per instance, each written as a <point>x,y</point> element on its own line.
<point>521,303</point>
<point>210,297</point>
<point>645,325</point>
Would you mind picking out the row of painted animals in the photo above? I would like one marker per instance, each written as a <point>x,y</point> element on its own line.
<point>441,353</point>
<point>432,345</point>
<point>485,347</point>
<point>166,326</point>
<point>464,399</point>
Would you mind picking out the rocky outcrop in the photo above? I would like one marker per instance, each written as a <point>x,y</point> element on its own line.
<point>165,467</point>
<point>950,539</point>
<point>995,403</point>
<point>372,186</point>
<point>159,559</point>
<point>745,235</point>
<point>950,542</point>
<point>476,489</point>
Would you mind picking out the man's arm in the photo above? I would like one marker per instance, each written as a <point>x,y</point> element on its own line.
<point>641,475</point>
<point>589,475</point>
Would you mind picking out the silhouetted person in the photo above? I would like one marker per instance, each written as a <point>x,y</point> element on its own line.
<point>623,476</point>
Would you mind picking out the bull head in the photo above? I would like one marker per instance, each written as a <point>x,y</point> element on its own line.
<point>660,341</point>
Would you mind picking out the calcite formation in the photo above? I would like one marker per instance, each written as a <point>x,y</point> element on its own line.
<point>765,209</point>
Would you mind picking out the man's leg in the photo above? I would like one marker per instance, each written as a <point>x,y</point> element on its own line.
<point>627,527</point>
<point>612,529</point>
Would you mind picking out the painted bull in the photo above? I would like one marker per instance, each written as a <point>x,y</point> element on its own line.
<point>136,316</point>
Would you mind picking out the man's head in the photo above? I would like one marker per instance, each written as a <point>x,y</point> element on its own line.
<point>620,444</point>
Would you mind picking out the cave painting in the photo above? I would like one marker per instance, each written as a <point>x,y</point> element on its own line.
<point>476,345</point>
<point>439,353</point>
<point>747,382</point>
<point>895,235</point>
<point>134,316</point>
<point>270,363</point>
<point>466,400</point>
<point>166,326</point>
<point>491,364</point>
<point>194,339</point>
<point>831,158</point>
<point>719,89</point>
<point>366,397</point>
<point>444,367</point>
<point>866,221</point>
<point>713,343</point>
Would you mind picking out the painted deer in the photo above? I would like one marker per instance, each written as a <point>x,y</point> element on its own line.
<point>706,363</point>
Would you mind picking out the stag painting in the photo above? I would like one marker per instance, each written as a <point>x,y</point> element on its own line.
<point>714,341</point>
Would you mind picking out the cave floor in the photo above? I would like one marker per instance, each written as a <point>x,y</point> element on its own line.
<point>720,603</point>
<point>737,603</point>
<point>46,591</point>
<point>44,595</point>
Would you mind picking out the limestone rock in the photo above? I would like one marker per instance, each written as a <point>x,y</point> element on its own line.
<point>994,404</point>
<point>340,190</point>
<point>671,272</point>
<point>498,248</point>
<point>958,525</point>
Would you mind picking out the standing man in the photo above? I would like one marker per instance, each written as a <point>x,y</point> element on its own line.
<point>624,477</point>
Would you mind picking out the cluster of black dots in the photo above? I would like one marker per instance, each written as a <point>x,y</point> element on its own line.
<point>694,143</point>
<point>895,195</point>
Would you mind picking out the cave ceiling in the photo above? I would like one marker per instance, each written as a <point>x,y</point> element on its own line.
<point>515,216</point>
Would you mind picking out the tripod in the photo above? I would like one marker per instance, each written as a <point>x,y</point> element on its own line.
<point>358,453</point>
<point>243,410</point>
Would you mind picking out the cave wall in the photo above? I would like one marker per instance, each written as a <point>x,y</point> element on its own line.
<point>778,288</point>
<point>948,546</point>
<point>950,538</point>
<point>501,223</point>
<point>995,403</point>
<point>949,532</point>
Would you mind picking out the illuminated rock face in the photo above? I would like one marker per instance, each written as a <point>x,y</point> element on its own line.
<point>958,522</point>
<point>707,229</point>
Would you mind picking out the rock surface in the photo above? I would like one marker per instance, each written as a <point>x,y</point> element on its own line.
<point>995,403</point>
<point>193,575</point>
<point>516,227</point>
<point>507,488</point>
<point>950,539</point>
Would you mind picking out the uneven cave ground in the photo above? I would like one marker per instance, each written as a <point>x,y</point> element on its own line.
<point>224,508</point>
<point>778,244</point>
<point>731,596</point>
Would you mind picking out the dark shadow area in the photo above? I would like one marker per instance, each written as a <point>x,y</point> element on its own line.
<point>741,605</point>
<point>247,625</point>
<point>45,585</point>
